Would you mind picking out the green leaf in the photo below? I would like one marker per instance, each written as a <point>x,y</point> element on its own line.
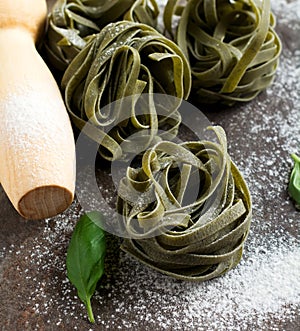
<point>294,184</point>
<point>85,257</point>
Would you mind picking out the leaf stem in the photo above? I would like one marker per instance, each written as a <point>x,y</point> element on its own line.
<point>89,310</point>
<point>295,158</point>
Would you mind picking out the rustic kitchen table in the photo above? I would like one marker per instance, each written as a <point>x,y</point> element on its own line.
<point>261,293</point>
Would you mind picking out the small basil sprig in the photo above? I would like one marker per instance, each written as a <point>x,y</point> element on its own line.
<point>294,184</point>
<point>85,257</point>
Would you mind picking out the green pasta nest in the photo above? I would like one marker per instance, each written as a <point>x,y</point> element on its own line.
<point>232,47</point>
<point>188,238</point>
<point>125,59</point>
<point>71,22</point>
<point>185,207</point>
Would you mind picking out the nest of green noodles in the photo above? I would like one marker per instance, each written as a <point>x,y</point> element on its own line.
<point>185,208</point>
<point>232,47</point>
<point>125,59</point>
<point>71,22</point>
<point>188,238</point>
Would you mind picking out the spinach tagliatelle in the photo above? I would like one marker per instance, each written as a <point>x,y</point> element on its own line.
<point>71,22</point>
<point>125,59</point>
<point>186,209</point>
<point>232,46</point>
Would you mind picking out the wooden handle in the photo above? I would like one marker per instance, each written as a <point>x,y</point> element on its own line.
<point>37,150</point>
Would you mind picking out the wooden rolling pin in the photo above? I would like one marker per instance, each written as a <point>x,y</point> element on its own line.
<point>37,150</point>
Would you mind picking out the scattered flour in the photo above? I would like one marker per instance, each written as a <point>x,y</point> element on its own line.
<point>261,293</point>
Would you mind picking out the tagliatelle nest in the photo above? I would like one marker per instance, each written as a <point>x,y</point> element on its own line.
<point>231,45</point>
<point>125,59</point>
<point>187,209</point>
<point>71,22</point>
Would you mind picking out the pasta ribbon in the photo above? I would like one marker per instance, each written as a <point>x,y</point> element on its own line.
<point>71,22</point>
<point>126,59</point>
<point>232,46</point>
<point>187,209</point>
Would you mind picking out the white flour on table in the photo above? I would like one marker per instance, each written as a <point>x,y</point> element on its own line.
<point>261,293</point>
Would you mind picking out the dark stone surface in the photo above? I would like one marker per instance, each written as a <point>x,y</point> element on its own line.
<point>34,291</point>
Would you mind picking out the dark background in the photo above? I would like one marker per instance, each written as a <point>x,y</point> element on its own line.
<point>36,295</point>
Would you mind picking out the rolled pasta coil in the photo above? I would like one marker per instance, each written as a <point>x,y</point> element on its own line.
<point>126,59</point>
<point>71,22</point>
<point>192,240</point>
<point>232,46</point>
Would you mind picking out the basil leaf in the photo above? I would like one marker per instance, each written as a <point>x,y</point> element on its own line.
<point>294,184</point>
<point>85,257</point>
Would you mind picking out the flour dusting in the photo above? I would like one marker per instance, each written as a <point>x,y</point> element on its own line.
<point>261,293</point>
